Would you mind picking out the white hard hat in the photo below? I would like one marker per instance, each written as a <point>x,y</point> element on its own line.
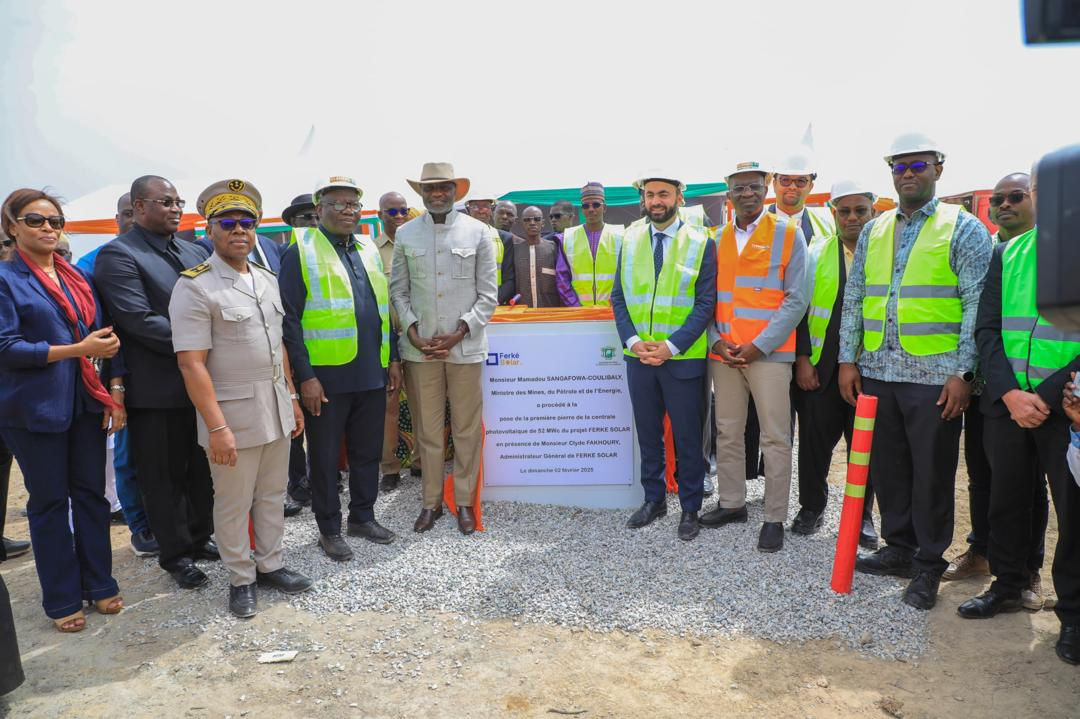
<point>475,195</point>
<point>911,142</point>
<point>748,166</point>
<point>844,188</point>
<point>333,181</point>
<point>797,164</point>
<point>654,173</point>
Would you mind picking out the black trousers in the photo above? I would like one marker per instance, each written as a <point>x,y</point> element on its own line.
<point>298,470</point>
<point>913,463</point>
<point>976,455</point>
<point>360,417</point>
<point>11,671</point>
<point>5,478</point>
<point>755,463</point>
<point>1015,456</point>
<point>824,417</point>
<point>173,476</point>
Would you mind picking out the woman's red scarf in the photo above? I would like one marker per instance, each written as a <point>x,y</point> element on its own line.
<point>85,310</point>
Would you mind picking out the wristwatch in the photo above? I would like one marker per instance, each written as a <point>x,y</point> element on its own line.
<point>968,376</point>
<point>295,396</point>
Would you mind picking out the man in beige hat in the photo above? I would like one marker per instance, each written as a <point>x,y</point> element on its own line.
<point>226,330</point>
<point>443,288</point>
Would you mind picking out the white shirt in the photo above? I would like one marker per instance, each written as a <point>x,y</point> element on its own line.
<point>743,236</point>
<point>669,233</point>
<point>796,218</point>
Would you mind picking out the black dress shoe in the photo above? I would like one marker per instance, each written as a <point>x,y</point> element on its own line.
<point>807,521</point>
<point>208,551</point>
<point>371,531</point>
<point>426,520</point>
<point>771,537</point>
<point>389,482</point>
<point>885,562</point>
<point>292,508</point>
<point>242,601</point>
<point>284,580</point>
<point>1068,644</point>
<point>647,513</point>
<point>720,516</point>
<point>117,517</point>
<point>335,548</point>
<point>15,547</point>
<point>921,593</point>
<point>186,574</point>
<point>301,492</point>
<point>868,538</point>
<point>988,604</point>
<point>688,526</point>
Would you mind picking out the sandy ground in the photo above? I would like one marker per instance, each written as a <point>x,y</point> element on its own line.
<point>380,664</point>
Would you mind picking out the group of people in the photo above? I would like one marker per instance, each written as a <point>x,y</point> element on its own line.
<point>247,369</point>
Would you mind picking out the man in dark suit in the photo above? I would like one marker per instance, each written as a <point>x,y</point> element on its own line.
<point>824,416</point>
<point>135,274</point>
<point>665,342</point>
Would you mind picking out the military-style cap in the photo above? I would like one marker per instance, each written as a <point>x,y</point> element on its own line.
<point>229,195</point>
<point>336,181</point>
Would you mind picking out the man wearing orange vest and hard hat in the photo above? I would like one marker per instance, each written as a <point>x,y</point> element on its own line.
<point>663,300</point>
<point>907,338</point>
<point>585,269</point>
<point>824,416</point>
<point>793,181</point>
<point>761,297</point>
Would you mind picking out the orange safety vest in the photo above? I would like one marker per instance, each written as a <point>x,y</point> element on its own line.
<point>750,286</point>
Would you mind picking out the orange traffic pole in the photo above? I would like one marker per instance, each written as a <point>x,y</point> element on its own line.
<point>854,494</point>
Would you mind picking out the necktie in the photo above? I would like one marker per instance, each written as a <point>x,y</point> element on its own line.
<point>658,253</point>
<point>172,252</point>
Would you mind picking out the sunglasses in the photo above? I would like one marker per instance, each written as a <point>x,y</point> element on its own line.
<point>755,187</point>
<point>229,224</point>
<point>168,202</point>
<point>591,205</point>
<point>846,212</point>
<point>556,215</point>
<point>307,217</point>
<point>799,182</point>
<point>918,167</point>
<point>35,220</point>
<point>395,212</point>
<point>1015,197</point>
<point>342,206</point>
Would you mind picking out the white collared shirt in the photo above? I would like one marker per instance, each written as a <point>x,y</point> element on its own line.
<point>796,218</point>
<point>743,236</point>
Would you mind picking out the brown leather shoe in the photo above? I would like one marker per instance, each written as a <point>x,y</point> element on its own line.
<point>426,520</point>
<point>466,522</point>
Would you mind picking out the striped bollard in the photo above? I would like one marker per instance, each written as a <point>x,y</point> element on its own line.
<point>847,543</point>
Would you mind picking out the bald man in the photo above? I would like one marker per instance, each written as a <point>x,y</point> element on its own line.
<point>534,263</point>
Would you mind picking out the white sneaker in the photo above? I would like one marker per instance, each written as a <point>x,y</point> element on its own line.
<point>1032,597</point>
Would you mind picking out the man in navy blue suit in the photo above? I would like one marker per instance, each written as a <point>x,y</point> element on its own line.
<point>663,299</point>
<point>135,274</point>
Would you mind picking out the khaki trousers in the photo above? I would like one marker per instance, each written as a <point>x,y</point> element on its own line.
<point>769,384</point>
<point>255,487</point>
<point>434,383</point>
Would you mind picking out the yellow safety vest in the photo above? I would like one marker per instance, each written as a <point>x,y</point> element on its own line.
<point>593,278</point>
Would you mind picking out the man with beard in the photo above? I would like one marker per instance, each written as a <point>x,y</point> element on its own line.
<point>444,291</point>
<point>793,182</point>
<point>1012,210</point>
<point>482,207</point>
<point>907,338</point>
<point>135,275</point>
<point>663,298</point>
<point>534,263</point>
<point>761,298</point>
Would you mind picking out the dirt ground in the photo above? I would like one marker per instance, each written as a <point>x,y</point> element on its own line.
<point>380,664</point>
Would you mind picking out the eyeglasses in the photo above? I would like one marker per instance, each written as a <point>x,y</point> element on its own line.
<point>754,187</point>
<point>918,167</point>
<point>846,212</point>
<point>167,202</point>
<point>556,215</point>
<point>591,205</point>
<point>342,206</point>
<point>395,212</point>
<point>786,181</point>
<point>1015,197</point>
<point>532,219</point>
<point>35,220</point>
<point>229,223</point>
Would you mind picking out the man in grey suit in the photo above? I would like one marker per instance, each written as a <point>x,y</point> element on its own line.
<point>443,287</point>
<point>227,332</point>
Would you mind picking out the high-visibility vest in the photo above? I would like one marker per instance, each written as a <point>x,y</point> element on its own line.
<point>822,224</point>
<point>928,309</point>
<point>329,320</point>
<point>1035,348</point>
<point>750,286</point>
<point>659,306</point>
<point>500,250</point>
<point>693,215</point>
<point>593,277</point>
<point>825,271</point>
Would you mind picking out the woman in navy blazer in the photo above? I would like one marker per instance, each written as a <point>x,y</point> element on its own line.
<point>54,409</point>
